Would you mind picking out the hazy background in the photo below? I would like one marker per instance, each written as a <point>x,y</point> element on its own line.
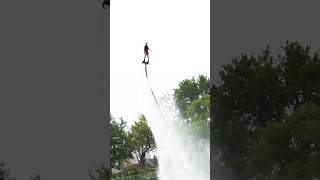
<point>249,26</point>
<point>54,87</point>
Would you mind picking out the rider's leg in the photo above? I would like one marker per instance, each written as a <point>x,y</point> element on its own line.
<point>144,58</point>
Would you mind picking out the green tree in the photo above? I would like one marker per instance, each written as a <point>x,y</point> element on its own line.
<point>250,95</point>
<point>300,72</point>
<point>289,149</point>
<point>199,111</point>
<point>192,98</point>
<point>189,90</point>
<point>4,173</point>
<point>142,140</point>
<point>120,143</point>
<point>256,90</point>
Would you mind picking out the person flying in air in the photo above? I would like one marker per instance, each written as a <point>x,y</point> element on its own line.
<point>146,53</point>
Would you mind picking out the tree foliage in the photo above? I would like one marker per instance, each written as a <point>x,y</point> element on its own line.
<point>192,98</point>
<point>120,143</point>
<point>289,149</point>
<point>257,90</point>
<point>4,173</point>
<point>142,139</point>
<point>190,90</point>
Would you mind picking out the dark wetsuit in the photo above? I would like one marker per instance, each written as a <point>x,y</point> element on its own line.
<point>146,49</point>
<point>146,53</point>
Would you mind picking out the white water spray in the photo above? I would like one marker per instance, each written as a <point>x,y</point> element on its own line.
<point>181,155</point>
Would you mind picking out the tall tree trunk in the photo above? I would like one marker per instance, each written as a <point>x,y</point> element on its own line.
<point>142,160</point>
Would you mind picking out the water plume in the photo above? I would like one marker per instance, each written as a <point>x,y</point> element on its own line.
<point>181,154</point>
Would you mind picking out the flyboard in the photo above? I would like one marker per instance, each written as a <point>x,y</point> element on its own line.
<point>145,67</point>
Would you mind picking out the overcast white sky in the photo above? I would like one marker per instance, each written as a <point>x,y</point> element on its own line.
<point>178,34</point>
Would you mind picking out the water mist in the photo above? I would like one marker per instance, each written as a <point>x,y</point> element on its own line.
<point>181,154</point>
